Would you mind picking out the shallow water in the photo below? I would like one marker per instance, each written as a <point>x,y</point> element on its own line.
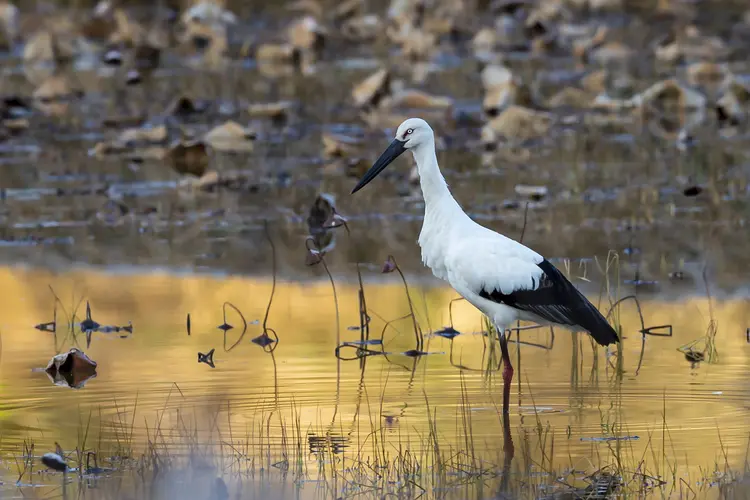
<point>695,416</point>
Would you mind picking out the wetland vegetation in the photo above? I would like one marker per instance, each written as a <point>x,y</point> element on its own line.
<point>216,318</point>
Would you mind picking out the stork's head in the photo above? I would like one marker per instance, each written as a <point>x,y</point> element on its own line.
<point>411,134</point>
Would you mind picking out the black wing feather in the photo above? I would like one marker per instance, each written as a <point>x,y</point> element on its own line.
<point>558,301</point>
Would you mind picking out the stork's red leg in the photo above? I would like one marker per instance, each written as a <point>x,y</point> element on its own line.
<point>507,371</point>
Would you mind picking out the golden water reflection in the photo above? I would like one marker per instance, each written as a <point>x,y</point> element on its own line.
<point>576,393</point>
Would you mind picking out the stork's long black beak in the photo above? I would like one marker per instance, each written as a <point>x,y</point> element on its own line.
<point>391,153</point>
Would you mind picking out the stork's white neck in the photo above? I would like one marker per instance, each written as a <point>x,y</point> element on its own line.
<point>434,188</point>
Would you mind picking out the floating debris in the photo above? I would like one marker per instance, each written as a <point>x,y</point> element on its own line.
<point>679,276</point>
<point>535,193</point>
<point>658,331</point>
<point>225,327</point>
<point>363,342</point>
<point>263,340</point>
<point>447,332</point>
<point>89,325</point>
<point>389,265</point>
<point>607,439</point>
<point>46,327</point>
<point>694,357</point>
<point>55,461</point>
<point>207,358</point>
<point>72,369</point>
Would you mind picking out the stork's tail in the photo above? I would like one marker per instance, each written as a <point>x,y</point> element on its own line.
<point>599,327</point>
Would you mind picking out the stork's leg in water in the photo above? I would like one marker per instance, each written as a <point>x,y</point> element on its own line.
<point>507,370</point>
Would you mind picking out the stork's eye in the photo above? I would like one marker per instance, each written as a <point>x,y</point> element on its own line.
<point>408,132</point>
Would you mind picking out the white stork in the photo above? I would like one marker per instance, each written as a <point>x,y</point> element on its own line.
<point>499,276</point>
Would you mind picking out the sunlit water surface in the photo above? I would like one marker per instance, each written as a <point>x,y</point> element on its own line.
<point>670,412</point>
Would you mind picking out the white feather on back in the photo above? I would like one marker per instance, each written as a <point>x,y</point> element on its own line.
<point>489,261</point>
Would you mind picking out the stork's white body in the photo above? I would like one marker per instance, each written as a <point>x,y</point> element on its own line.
<point>467,255</point>
<point>502,278</point>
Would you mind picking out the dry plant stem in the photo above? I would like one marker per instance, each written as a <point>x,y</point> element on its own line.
<point>273,275</point>
<point>244,325</point>
<point>335,300</point>
<point>417,335</point>
<point>364,318</point>
<point>643,325</point>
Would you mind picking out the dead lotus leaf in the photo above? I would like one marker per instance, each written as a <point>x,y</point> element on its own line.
<point>549,13</point>
<point>439,25</point>
<point>184,106</point>
<point>707,75</point>
<point>733,104</point>
<point>338,146</point>
<point>206,39</point>
<point>71,369</point>
<point>147,56</point>
<point>495,75</point>
<point>207,181</point>
<point>104,149</point>
<point>484,43</point>
<point>38,47</point>
<point>277,111</point>
<point>570,97</point>
<point>598,5</point>
<point>670,94</point>
<point>9,24</point>
<point>231,136</point>
<point>99,27</point>
<point>347,10</point>
<point>532,192</point>
<point>362,28</point>
<point>500,97</point>
<point>690,45</point>
<point>372,89</point>
<point>16,125</point>
<point>306,34</point>
<point>189,157</point>
<point>127,32</point>
<point>53,95</point>
<point>417,99</point>
<point>419,45</point>
<point>209,12</point>
<point>595,82</point>
<point>668,107</point>
<point>276,52</point>
<point>517,123</point>
<point>152,135</point>
<point>311,7</point>
<point>611,54</point>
